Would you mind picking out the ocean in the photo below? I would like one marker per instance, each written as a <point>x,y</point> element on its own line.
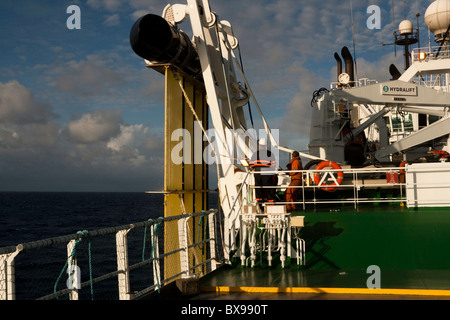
<point>31,216</point>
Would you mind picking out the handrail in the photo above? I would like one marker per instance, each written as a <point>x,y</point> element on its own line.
<point>239,193</point>
<point>7,273</point>
<point>357,176</point>
<point>95,233</point>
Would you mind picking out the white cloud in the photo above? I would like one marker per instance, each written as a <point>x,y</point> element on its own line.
<point>25,122</point>
<point>298,112</point>
<point>109,5</point>
<point>113,20</point>
<point>139,13</point>
<point>104,140</point>
<point>128,138</point>
<point>94,127</point>
<point>86,77</point>
<point>142,7</point>
<point>17,105</point>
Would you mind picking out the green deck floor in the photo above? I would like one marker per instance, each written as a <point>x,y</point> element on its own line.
<point>293,277</point>
<point>411,248</point>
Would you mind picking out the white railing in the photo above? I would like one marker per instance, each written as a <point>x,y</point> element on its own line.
<point>362,82</point>
<point>154,277</point>
<point>430,53</point>
<point>355,180</point>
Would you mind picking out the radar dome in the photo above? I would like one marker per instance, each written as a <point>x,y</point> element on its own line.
<point>405,27</point>
<point>437,18</point>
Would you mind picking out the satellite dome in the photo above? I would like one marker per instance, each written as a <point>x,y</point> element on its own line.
<point>437,18</point>
<point>405,27</point>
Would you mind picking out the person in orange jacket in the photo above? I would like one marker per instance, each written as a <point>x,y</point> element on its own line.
<point>296,180</point>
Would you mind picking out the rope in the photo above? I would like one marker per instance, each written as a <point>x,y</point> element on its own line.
<point>145,240</point>
<point>201,246</point>
<point>180,82</point>
<point>145,237</point>
<point>153,247</point>
<point>71,257</point>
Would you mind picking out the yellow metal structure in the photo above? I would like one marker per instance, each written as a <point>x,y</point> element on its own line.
<point>185,182</point>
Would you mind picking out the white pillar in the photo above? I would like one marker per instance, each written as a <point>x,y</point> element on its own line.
<point>122,265</point>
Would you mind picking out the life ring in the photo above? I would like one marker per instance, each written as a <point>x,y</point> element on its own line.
<point>340,175</point>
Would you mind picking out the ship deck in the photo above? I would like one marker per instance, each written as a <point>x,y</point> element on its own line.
<point>293,283</point>
<point>410,247</point>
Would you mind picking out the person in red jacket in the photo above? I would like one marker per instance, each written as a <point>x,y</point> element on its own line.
<point>296,180</point>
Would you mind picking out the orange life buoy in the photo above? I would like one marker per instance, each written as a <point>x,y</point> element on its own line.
<point>340,175</point>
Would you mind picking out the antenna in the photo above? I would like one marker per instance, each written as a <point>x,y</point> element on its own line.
<point>353,38</point>
<point>406,36</point>
<point>418,30</point>
<point>393,24</point>
<point>404,8</point>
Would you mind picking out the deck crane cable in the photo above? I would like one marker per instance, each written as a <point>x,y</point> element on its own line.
<point>180,82</point>
<point>227,89</point>
<point>263,119</point>
<point>249,104</point>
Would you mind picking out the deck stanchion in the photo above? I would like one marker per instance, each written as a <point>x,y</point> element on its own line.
<point>122,265</point>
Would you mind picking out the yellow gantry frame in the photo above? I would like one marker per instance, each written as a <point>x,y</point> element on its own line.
<point>185,184</point>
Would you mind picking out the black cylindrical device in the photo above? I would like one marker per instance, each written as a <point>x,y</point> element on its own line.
<point>347,56</point>
<point>156,40</point>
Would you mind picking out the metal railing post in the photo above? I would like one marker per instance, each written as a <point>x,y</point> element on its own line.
<point>183,242</point>
<point>7,276</point>
<point>11,275</point>
<point>212,242</point>
<point>72,281</point>
<point>123,276</point>
<point>3,292</point>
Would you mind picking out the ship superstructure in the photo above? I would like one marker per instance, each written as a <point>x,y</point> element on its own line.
<point>361,121</point>
<point>356,124</point>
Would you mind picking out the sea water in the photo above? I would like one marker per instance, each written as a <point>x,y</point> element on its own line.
<point>31,216</point>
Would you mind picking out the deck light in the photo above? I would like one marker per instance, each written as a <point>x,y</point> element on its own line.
<point>422,56</point>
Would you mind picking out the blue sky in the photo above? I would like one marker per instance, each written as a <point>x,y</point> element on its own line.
<point>80,112</point>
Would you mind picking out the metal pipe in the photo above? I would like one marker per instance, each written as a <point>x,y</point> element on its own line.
<point>339,64</point>
<point>347,56</point>
<point>156,40</point>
